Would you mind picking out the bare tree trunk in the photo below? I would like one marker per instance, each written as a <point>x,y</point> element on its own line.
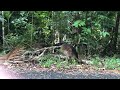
<point>116,32</point>
<point>3,29</point>
<point>32,27</point>
<point>8,25</point>
<point>1,39</point>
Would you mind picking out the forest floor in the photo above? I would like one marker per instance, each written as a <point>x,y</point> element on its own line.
<point>25,71</point>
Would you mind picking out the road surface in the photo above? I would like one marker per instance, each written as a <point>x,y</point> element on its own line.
<point>6,73</point>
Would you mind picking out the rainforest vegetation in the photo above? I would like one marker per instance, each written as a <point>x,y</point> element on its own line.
<point>95,35</point>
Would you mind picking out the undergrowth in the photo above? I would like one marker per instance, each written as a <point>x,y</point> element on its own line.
<point>107,62</point>
<point>49,60</point>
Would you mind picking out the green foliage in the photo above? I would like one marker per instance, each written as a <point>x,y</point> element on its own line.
<point>12,40</point>
<point>63,64</point>
<point>79,23</point>
<point>94,26</point>
<point>2,53</point>
<point>108,63</point>
<point>48,61</point>
<point>7,14</point>
<point>96,61</point>
<point>104,34</point>
<point>28,27</point>
<point>112,63</point>
<point>20,22</point>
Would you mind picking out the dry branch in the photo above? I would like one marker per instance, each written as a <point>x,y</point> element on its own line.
<point>45,48</point>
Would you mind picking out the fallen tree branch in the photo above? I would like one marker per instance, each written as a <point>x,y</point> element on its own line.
<point>36,57</point>
<point>42,53</point>
<point>52,47</point>
<point>42,49</point>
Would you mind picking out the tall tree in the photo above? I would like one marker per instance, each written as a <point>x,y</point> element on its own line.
<point>116,31</point>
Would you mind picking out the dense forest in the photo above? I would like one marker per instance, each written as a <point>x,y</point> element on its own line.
<point>92,33</point>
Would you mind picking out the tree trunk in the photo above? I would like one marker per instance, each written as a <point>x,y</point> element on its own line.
<point>3,37</point>
<point>116,32</point>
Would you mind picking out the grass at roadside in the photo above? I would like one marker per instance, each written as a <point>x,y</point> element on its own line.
<point>107,62</point>
<point>49,60</point>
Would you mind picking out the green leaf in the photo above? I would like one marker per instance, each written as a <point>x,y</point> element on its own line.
<point>89,30</point>
<point>76,23</point>
<point>47,32</point>
<point>79,23</point>
<point>82,23</point>
<point>7,14</point>
<point>104,34</point>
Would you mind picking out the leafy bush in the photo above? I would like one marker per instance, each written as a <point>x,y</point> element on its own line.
<point>12,40</point>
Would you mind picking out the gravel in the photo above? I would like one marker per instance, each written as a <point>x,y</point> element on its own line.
<point>15,73</point>
<point>57,75</point>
